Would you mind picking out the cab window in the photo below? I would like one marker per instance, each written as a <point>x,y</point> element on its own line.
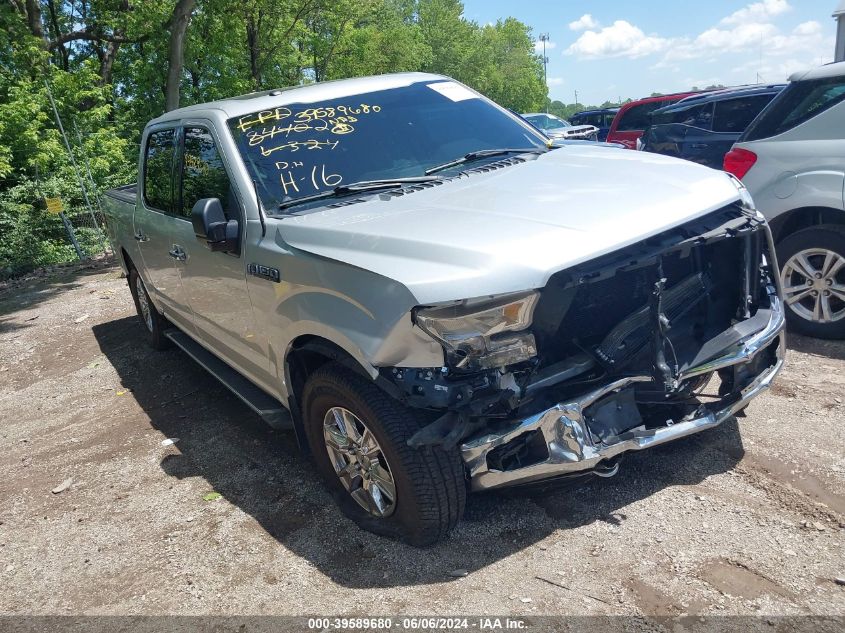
<point>203,173</point>
<point>700,116</point>
<point>158,170</point>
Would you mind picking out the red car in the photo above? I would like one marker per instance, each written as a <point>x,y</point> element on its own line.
<point>632,118</point>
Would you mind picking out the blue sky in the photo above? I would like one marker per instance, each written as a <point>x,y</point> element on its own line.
<point>607,49</point>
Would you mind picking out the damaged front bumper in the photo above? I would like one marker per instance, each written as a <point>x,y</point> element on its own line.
<point>573,449</point>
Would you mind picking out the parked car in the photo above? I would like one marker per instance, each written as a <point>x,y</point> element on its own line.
<point>792,159</point>
<point>704,127</point>
<point>602,119</point>
<point>633,118</point>
<point>580,141</point>
<point>556,128</point>
<point>435,300</point>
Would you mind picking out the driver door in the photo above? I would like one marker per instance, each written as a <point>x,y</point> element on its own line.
<point>215,283</point>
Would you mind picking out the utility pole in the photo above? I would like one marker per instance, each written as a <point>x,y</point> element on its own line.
<point>544,37</point>
<point>576,101</point>
<point>72,159</point>
<point>839,14</point>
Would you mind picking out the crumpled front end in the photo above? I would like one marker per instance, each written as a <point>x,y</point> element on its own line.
<point>662,340</point>
<point>567,439</point>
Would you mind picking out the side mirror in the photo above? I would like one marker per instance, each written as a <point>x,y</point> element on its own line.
<point>211,225</point>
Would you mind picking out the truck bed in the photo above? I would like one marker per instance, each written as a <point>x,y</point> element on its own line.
<point>126,193</point>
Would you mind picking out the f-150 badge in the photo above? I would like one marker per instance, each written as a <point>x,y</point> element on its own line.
<point>265,272</point>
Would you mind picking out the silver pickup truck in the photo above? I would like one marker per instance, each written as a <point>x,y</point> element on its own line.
<point>435,298</point>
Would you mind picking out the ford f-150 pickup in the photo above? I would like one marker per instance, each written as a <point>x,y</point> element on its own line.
<point>435,298</point>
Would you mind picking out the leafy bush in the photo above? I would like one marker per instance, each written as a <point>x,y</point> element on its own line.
<point>30,236</point>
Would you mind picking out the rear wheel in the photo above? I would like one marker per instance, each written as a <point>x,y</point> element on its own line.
<point>813,277</point>
<point>358,436</point>
<point>153,322</point>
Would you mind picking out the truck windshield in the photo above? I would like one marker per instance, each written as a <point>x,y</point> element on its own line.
<point>302,149</point>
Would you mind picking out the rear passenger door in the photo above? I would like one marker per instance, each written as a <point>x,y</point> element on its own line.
<point>154,223</point>
<point>215,282</point>
<point>697,133</point>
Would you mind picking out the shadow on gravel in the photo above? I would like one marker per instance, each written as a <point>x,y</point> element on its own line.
<point>260,472</point>
<point>835,350</point>
<point>25,294</point>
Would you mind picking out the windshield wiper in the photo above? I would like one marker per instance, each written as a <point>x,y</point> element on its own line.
<point>484,153</point>
<point>358,187</point>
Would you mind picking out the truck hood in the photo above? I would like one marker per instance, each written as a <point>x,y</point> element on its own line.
<point>511,228</point>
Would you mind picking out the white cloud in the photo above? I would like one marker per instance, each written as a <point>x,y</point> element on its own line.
<point>538,46</point>
<point>623,39</point>
<point>747,34</point>
<point>554,81</point>
<point>586,21</point>
<point>808,28</point>
<point>774,70</point>
<point>742,37</point>
<point>758,37</point>
<point>757,11</point>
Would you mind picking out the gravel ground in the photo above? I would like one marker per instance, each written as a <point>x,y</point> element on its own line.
<point>745,519</point>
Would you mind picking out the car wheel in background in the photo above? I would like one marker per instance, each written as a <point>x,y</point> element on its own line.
<point>812,265</point>
<point>358,437</point>
<point>153,322</point>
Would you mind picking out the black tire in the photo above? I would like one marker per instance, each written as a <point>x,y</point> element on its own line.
<point>827,237</point>
<point>430,483</point>
<point>156,324</point>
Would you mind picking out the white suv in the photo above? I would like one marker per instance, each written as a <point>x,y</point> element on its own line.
<point>792,160</point>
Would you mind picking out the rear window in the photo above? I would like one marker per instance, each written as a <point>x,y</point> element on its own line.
<point>798,103</point>
<point>636,118</point>
<point>587,119</point>
<point>734,115</point>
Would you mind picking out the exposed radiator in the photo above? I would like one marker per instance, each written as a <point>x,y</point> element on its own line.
<point>634,331</point>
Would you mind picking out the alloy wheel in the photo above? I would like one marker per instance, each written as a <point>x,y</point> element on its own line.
<point>814,285</point>
<point>359,462</point>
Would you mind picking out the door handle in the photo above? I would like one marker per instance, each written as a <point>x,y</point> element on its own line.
<point>699,145</point>
<point>139,236</point>
<point>177,253</point>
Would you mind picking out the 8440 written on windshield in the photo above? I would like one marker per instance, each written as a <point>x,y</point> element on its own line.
<point>291,137</point>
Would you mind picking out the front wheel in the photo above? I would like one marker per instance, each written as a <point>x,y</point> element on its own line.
<point>813,277</point>
<point>153,322</point>
<point>358,436</point>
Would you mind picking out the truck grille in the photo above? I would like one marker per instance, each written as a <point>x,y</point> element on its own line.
<point>603,307</point>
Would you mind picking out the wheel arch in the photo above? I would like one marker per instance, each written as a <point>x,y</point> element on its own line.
<point>125,260</point>
<point>304,355</point>
<point>793,221</point>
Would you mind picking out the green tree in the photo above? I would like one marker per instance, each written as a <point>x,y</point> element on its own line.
<point>112,65</point>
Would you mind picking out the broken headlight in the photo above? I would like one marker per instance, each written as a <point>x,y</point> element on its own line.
<point>744,195</point>
<point>483,335</point>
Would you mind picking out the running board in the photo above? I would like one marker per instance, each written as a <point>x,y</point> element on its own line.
<point>265,405</point>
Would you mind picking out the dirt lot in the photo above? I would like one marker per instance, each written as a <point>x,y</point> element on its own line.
<point>745,519</point>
